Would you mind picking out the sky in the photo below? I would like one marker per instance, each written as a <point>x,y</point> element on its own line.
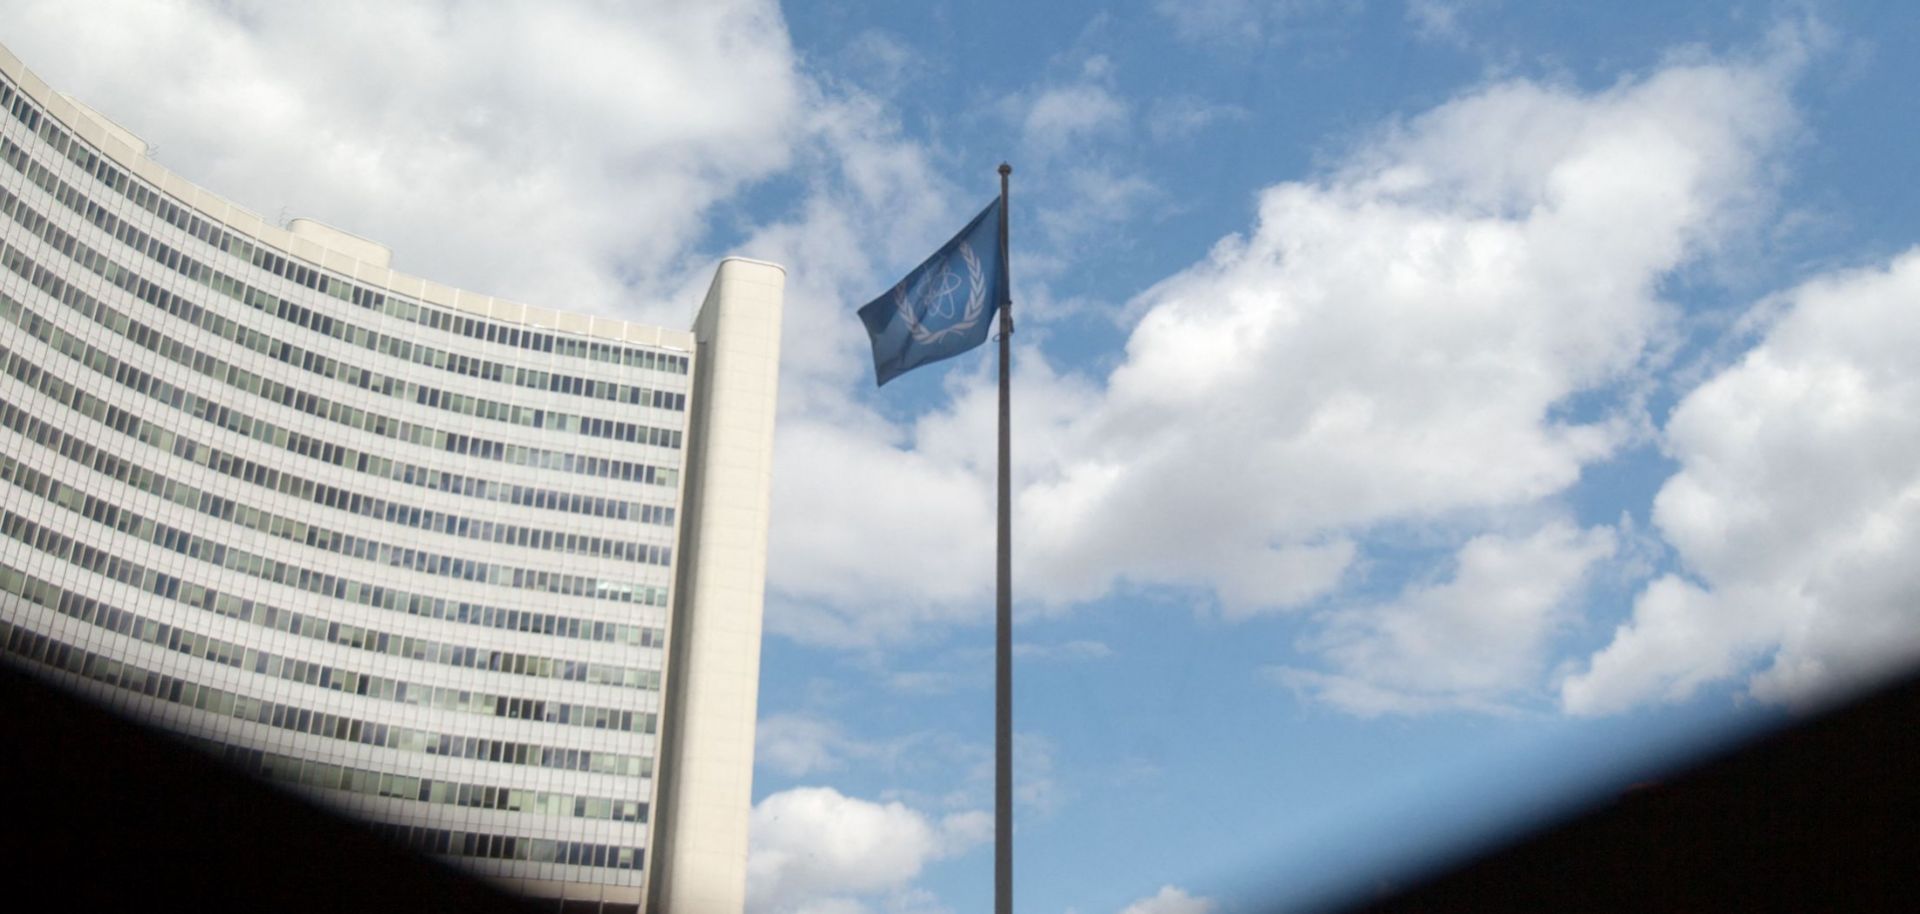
<point>1429,416</point>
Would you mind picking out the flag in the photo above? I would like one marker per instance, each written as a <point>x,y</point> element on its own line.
<point>945,306</point>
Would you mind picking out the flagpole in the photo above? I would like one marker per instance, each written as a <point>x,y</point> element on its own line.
<point>1003,648</point>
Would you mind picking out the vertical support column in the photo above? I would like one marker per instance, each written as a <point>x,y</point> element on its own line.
<point>705,777</point>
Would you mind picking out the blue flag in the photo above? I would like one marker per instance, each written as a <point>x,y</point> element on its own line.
<point>945,306</point>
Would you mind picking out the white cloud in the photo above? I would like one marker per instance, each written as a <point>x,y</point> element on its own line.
<point>1079,181</point>
<point>1181,117</point>
<point>1171,900</point>
<point>1396,341</point>
<point>895,530</point>
<point>1061,117</point>
<point>1478,640</point>
<point>1795,511</point>
<point>798,745</point>
<point>814,850</point>
<point>1439,20</point>
<point>1094,199</point>
<point>556,153</point>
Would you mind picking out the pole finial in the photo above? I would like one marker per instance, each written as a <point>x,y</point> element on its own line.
<point>1005,169</point>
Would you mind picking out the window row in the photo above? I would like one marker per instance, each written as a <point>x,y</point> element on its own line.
<point>313,673</point>
<point>286,769</point>
<point>393,512</point>
<point>386,385</point>
<point>321,538</point>
<point>81,451</point>
<point>108,514</point>
<point>171,587</point>
<point>477,846</point>
<point>423,648</point>
<point>435,608</point>
<point>47,435</point>
<point>357,461</point>
<point>49,651</point>
<point>170,396</point>
<point>285,395</point>
<point>312,277</point>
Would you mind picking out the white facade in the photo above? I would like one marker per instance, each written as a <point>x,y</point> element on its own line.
<point>409,549</point>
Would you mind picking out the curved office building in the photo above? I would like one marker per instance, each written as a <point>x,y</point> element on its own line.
<point>486,575</point>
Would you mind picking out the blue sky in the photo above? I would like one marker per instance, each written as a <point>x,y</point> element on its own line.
<point>1431,415</point>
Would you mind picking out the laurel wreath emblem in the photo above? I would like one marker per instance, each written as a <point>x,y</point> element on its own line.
<point>976,303</point>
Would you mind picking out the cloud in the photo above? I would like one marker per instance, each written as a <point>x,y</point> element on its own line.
<point>556,153</point>
<point>1181,117</point>
<point>1439,20</point>
<point>897,539</point>
<point>1061,117</point>
<point>798,745</point>
<point>1795,510</point>
<point>1478,640</point>
<point>814,850</point>
<point>1171,900</point>
<point>1400,340</point>
<point>1396,341</point>
<point>1096,197</point>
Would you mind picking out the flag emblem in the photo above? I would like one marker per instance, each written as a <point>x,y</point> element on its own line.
<point>934,299</point>
<point>944,307</point>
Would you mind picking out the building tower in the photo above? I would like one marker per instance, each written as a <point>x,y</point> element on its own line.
<point>486,575</point>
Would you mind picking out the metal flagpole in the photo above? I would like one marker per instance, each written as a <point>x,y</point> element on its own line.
<point>1003,648</point>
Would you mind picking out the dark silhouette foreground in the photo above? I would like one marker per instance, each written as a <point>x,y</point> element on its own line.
<point>107,814</point>
<point>1823,816</point>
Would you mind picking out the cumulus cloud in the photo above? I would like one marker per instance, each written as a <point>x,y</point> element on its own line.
<point>1171,900</point>
<point>814,850</point>
<point>869,564</point>
<point>552,152</point>
<point>1396,341</point>
<point>1477,640</point>
<point>1795,510</point>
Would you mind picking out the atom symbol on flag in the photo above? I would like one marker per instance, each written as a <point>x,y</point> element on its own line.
<point>935,294</point>
<point>939,298</point>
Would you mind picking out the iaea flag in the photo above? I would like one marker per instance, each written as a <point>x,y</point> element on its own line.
<point>945,306</point>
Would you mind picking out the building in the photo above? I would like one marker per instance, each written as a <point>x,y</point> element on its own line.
<point>487,575</point>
